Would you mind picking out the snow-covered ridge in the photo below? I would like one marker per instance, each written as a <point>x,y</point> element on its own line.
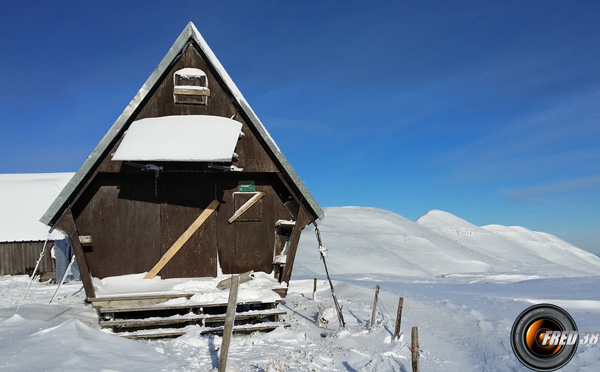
<point>374,241</point>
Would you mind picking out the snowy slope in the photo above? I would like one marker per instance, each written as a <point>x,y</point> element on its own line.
<point>23,200</point>
<point>463,287</point>
<point>374,241</point>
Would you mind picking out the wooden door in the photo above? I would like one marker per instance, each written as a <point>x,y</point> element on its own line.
<point>184,197</point>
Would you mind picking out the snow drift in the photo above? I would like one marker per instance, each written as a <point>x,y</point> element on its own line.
<point>364,240</point>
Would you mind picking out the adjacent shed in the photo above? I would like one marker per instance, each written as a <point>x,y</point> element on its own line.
<point>187,167</point>
<point>23,199</point>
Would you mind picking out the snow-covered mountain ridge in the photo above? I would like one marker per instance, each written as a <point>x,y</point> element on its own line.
<point>374,241</point>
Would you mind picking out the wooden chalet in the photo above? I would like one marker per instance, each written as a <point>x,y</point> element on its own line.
<point>188,168</point>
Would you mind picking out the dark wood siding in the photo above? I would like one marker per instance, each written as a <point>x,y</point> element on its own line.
<point>248,244</point>
<point>122,215</point>
<point>134,216</point>
<point>184,197</point>
<point>18,258</point>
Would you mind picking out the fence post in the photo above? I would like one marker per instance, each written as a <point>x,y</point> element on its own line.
<point>398,318</point>
<point>374,307</point>
<point>415,349</point>
<point>315,290</point>
<point>229,320</point>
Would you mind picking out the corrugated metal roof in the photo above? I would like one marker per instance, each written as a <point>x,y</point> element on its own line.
<point>190,33</point>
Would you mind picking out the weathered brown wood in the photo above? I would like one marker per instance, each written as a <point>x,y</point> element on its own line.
<point>398,318</point>
<point>374,313</point>
<point>191,91</point>
<point>315,290</point>
<point>184,196</point>
<point>260,327</point>
<point>132,301</point>
<point>156,335</point>
<point>18,258</point>
<point>414,347</point>
<point>131,213</point>
<point>229,318</point>
<point>226,283</point>
<point>70,228</point>
<point>160,307</point>
<point>182,239</point>
<point>247,205</point>
<point>123,215</point>
<point>294,240</point>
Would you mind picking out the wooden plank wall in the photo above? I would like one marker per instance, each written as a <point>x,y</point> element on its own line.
<point>18,258</point>
<point>134,217</point>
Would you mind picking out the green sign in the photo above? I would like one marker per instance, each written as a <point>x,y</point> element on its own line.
<point>246,186</point>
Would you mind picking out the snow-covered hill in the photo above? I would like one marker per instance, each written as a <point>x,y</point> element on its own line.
<point>463,287</point>
<point>373,241</point>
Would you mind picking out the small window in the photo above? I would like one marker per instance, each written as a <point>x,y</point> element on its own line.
<point>191,86</point>
<point>254,213</point>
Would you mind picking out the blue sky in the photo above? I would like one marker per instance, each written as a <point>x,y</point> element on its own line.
<point>487,110</point>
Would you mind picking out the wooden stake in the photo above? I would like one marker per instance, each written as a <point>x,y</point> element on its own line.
<point>182,239</point>
<point>398,318</point>
<point>374,307</point>
<point>415,349</point>
<point>315,290</point>
<point>229,319</point>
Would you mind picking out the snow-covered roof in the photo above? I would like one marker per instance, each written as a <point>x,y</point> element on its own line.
<point>200,138</point>
<point>23,199</point>
<point>189,34</point>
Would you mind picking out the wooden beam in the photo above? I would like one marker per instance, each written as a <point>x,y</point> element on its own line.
<point>303,220</point>
<point>182,239</point>
<point>186,90</point>
<point>226,283</point>
<point>67,224</point>
<point>246,206</point>
<point>229,320</point>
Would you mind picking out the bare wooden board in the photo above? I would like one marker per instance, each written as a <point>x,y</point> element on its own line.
<point>246,206</point>
<point>190,91</point>
<point>226,283</point>
<point>246,328</point>
<point>182,239</point>
<point>155,335</point>
<point>117,302</point>
<point>159,307</point>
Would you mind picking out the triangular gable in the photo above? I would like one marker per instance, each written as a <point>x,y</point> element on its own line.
<point>189,33</point>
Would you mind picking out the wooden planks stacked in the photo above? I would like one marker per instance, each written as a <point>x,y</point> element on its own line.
<point>155,317</point>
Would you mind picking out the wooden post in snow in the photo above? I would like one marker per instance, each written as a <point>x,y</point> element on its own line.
<point>398,318</point>
<point>414,347</point>
<point>315,290</point>
<point>374,307</point>
<point>229,319</point>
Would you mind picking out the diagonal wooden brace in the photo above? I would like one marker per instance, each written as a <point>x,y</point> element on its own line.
<point>182,239</point>
<point>246,206</point>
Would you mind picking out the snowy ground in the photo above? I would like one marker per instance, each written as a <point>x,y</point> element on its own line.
<point>464,316</point>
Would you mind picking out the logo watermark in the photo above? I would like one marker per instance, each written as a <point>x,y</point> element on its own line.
<point>544,337</point>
